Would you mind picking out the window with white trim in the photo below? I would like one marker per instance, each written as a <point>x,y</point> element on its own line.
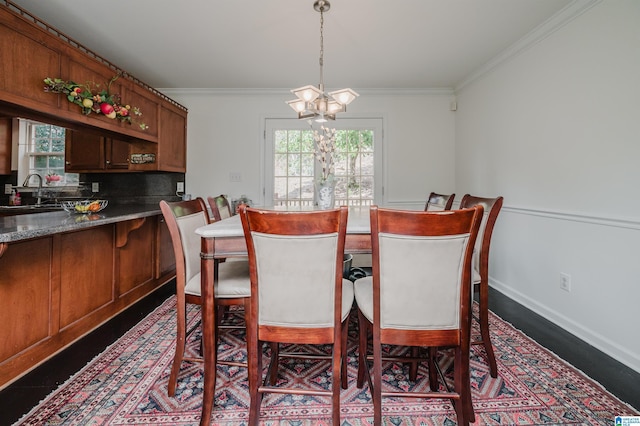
<point>291,168</point>
<point>41,151</point>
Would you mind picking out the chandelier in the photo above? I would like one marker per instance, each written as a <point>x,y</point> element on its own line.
<point>313,102</point>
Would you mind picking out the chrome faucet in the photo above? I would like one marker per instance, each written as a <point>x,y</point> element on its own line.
<point>25,184</point>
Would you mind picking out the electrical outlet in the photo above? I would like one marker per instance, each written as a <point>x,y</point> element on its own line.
<point>180,187</point>
<point>565,282</point>
<point>95,186</point>
<point>235,177</point>
<point>7,188</point>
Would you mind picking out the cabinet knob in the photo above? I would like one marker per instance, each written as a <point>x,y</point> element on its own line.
<point>108,162</point>
<point>67,162</point>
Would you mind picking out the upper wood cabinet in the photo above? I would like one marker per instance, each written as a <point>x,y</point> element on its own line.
<point>172,147</point>
<point>25,61</point>
<point>90,152</point>
<point>5,146</point>
<point>31,51</point>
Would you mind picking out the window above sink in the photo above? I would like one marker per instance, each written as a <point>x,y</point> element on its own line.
<point>41,150</point>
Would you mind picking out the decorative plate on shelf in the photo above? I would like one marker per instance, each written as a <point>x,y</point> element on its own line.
<point>85,206</point>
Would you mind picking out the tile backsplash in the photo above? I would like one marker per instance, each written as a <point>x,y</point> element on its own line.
<point>118,188</point>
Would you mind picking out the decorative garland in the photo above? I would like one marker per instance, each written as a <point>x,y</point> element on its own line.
<point>92,99</point>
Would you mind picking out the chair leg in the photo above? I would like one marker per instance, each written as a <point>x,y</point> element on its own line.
<point>376,390</point>
<point>181,331</point>
<point>254,349</point>
<point>343,364</point>
<point>273,365</point>
<point>414,363</point>
<point>363,333</point>
<point>336,382</point>
<point>433,372</point>
<point>461,404</point>
<point>483,308</point>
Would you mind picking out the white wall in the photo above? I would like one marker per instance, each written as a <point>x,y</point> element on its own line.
<point>556,131</point>
<point>225,135</point>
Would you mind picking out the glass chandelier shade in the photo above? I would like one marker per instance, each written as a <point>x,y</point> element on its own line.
<point>312,102</point>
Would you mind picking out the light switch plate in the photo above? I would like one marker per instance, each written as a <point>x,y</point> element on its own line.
<point>95,186</point>
<point>7,188</point>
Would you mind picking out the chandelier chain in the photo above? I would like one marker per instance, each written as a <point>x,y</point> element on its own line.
<point>321,49</point>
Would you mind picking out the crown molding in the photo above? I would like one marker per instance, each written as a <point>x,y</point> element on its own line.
<point>444,91</point>
<point>541,32</point>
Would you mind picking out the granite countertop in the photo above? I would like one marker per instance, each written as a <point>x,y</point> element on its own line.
<point>26,226</point>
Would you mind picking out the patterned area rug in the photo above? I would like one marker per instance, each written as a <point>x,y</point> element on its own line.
<point>127,385</point>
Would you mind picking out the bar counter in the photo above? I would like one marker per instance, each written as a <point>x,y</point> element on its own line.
<point>26,226</point>
<point>64,274</point>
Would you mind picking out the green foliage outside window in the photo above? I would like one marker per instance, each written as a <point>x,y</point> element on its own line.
<point>295,167</point>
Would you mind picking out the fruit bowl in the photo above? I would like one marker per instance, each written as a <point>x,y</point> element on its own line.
<point>85,206</point>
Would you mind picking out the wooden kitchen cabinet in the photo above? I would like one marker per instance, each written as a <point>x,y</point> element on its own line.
<point>135,243</point>
<point>28,59</point>
<point>172,140</point>
<point>57,288</point>
<point>24,282</point>
<point>91,152</point>
<point>86,273</point>
<point>31,51</point>
<point>116,154</point>
<point>83,151</point>
<point>5,146</point>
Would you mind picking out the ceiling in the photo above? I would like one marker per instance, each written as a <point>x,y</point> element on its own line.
<point>274,44</point>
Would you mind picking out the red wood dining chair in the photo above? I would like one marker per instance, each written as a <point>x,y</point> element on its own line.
<point>220,207</point>
<point>298,296</point>
<point>437,202</point>
<point>420,296</point>
<point>491,207</point>
<point>231,288</point>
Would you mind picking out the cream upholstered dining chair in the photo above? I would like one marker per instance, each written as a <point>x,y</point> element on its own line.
<point>420,296</point>
<point>220,207</point>
<point>437,202</point>
<point>298,296</point>
<point>491,207</point>
<point>231,288</point>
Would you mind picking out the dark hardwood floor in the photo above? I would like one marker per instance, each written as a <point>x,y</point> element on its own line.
<point>18,398</point>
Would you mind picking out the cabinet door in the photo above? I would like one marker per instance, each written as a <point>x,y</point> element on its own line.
<point>24,281</point>
<point>86,273</point>
<point>172,141</point>
<point>136,256</point>
<point>84,151</point>
<point>25,60</point>
<point>117,154</point>
<point>5,146</point>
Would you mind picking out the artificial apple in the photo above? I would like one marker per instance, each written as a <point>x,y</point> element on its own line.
<point>87,103</point>
<point>106,108</point>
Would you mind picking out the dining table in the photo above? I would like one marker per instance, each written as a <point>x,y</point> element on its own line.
<point>225,239</point>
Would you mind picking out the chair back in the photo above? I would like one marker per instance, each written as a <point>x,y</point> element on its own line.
<point>438,202</point>
<point>183,218</point>
<point>491,207</point>
<point>296,260</point>
<point>422,271</point>
<point>220,208</point>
